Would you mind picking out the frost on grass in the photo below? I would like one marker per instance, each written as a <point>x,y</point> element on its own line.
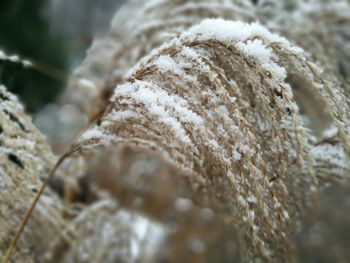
<point>152,24</point>
<point>15,59</point>
<point>220,105</point>
<point>320,27</point>
<point>25,158</point>
<point>233,125</point>
<point>314,24</point>
<point>241,33</point>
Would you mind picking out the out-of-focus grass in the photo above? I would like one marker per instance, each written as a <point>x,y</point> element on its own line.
<point>326,238</point>
<point>24,30</point>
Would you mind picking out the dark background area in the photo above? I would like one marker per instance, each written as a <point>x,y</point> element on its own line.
<point>54,35</point>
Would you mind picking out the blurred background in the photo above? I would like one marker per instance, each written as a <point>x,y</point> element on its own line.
<point>55,35</point>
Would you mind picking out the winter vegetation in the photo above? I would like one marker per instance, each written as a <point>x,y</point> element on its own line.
<point>211,131</point>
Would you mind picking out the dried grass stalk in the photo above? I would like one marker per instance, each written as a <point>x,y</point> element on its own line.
<point>224,112</point>
<point>321,27</point>
<point>153,23</point>
<point>217,103</point>
<point>25,159</point>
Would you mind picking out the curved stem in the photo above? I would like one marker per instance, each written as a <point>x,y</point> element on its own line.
<point>30,210</point>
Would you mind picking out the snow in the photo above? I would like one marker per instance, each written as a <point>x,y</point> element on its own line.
<point>153,3</point>
<point>15,59</point>
<point>250,216</point>
<point>242,201</point>
<point>170,109</point>
<point>92,134</point>
<point>143,230</point>
<point>334,154</point>
<point>277,203</point>
<point>165,63</point>
<point>246,149</point>
<point>241,34</point>
<point>257,49</point>
<point>236,155</point>
<point>123,115</point>
<point>230,31</point>
<point>87,84</point>
<point>6,179</point>
<point>183,204</point>
<point>252,199</point>
<point>144,237</point>
<point>191,54</point>
<point>253,40</point>
<point>214,144</point>
<point>330,132</point>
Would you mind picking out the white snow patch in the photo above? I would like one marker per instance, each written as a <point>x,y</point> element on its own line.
<point>334,154</point>
<point>230,31</point>
<point>332,131</point>
<point>236,156</point>
<point>123,115</point>
<point>240,34</point>
<point>165,63</point>
<point>87,84</point>
<point>252,199</point>
<point>170,109</point>
<point>92,134</point>
<point>15,59</point>
<point>258,50</point>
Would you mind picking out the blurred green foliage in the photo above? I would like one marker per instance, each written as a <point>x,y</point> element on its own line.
<point>25,31</point>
